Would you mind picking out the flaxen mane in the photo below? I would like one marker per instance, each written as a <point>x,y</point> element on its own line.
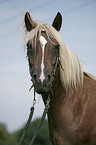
<point>72,75</point>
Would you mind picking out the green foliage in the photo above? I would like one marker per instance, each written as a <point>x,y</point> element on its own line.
<point>5,137</point>
<point>42,136</point>
<point>13,139</point>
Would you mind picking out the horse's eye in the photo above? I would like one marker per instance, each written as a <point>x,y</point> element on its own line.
<point>29,46</point>
<point>29,49</point>
<point>56,47</point>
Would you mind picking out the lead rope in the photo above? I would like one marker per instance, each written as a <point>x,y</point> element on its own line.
<point>29,119</point>
<point>41,120</point>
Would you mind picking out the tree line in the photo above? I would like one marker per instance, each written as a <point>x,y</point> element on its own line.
<point>42,138</point>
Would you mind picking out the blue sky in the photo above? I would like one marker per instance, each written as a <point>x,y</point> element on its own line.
<point>78,31</point>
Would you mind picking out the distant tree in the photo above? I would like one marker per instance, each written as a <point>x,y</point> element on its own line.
<point>5,137</point>
<point>42,136</point>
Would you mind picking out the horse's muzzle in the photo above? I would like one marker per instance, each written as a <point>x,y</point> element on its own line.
<point>44,86</point>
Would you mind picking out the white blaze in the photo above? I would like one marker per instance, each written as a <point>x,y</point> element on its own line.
<point>43,42</point>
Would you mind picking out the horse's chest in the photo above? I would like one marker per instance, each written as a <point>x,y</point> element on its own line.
<point>68,128</point>
<point>61,131</point>
<point>58,127</point>
<point>58,132</point>
<point>61,125</point>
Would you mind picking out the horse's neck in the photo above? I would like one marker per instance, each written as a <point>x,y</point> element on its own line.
<point>56,90</point>
<point>59,96</point>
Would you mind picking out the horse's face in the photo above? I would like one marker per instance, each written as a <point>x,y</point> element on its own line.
<point>42,60</point>
<point>42,52</point>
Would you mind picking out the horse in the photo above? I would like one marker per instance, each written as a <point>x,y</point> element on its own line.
<point>56,70</point>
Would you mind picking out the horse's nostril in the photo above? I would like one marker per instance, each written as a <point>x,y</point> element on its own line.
<point>49,77</point>
<point>35,76</point>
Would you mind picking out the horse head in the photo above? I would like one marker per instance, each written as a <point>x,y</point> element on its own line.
<point>42,52</point>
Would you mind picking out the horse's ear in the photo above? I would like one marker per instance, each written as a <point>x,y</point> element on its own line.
<point>57,21</point>
<point>29,23</point>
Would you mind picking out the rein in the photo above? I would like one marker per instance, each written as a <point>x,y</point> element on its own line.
<point>47,106</point>
<point>29,119</point>
<point>41,120</point>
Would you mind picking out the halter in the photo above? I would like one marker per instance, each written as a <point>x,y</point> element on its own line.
<point>47,106</point>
